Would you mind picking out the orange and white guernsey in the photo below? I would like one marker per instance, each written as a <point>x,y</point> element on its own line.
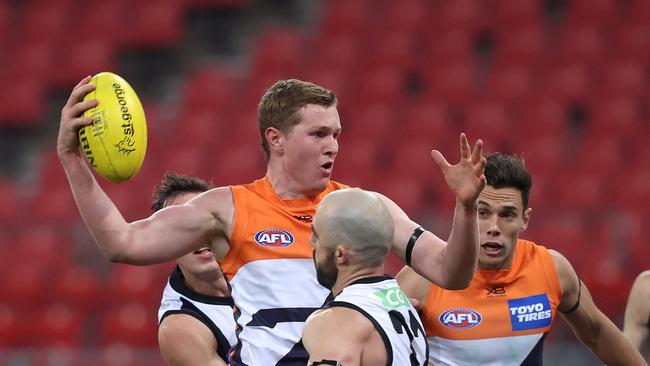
<point>272,273</point>
<point>502,317</point>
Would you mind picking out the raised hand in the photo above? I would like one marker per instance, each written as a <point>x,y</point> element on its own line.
<point>71,120</point>
<point>466,178</point>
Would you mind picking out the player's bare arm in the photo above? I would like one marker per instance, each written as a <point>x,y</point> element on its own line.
<point>588,323</point>
<point>637,313</point>
<point>414,286</point>
<point>164,236</point>
<point>185,341</point>
<point>342,335</point>
<point>452,264</point>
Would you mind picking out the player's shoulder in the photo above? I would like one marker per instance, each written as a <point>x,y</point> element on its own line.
<point>562,264</point>
<point>181,326</point>
<point>644,276</point>
<point>642,282</point>
<point>338,319</point>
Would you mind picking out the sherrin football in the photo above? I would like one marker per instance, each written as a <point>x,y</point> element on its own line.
<point>116,141</point>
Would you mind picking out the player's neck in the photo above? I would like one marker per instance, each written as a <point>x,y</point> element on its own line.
<point>283,184</point>
<point>345,278</point>
<point>213,284</point>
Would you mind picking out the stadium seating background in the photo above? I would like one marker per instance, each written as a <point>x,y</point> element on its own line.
<point>564,82</point>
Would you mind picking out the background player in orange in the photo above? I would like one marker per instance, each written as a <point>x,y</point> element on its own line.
<point>504,315</point>
<point>196,323</point>
<point>637,314</point>
<point>370,321</point>
<point>260,231</point>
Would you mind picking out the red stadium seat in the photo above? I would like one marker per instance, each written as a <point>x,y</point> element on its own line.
<point>154,24</point>
<point>79,288</point>
<point>448,48</point>
<point>523,44</point>
<point>129,323</point>
<point>207,90</point>
<point>518,12</point>
<point>9,194</point>
<point>409,15</point>
<point>46,21</point>
<point>31,57</point>
<point>633,41</point>
<point>637,243</point>
<point>337,52</point>
<point>15,327</point>
<point>581,44</point>
<point>278,50</point>
<point>490,121</point>
<point>570,81</point>
<point>143,285</point>
<point>464,14</point>
<point>394,51</point>
<point>381,84</point>
<point>24,285</point>
<point>58,326</point>
<point>633,191</point>
<point>354,165</point>
<point>90,55</point>
<point>624,77</point>
<point>613,117</point>
<point>511,82</point>
<point>216,4</point>
<point>43,246</point>
<point>23,104</point>
<point>541,116</point>
<point>593,11</point>
<point>346,16</point>
<point>452,82</point>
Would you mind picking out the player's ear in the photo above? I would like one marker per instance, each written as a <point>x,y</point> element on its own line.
<point>274,138</point>
<point>341,254</point>
<point>527,213</point>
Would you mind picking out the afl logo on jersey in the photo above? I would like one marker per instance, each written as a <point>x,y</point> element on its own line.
<point>460,318</point>
<point>274,238</point>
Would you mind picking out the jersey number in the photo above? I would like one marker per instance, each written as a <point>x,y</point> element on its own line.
<point>412,330</point>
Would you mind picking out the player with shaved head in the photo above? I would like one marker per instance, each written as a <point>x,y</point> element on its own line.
<point>370,321</point>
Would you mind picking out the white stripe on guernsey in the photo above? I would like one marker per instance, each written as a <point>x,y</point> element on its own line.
<point>501,351</point>
<point>273,284</point>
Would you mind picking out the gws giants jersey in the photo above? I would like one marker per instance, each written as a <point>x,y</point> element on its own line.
<point>382,301</point>
<point>215,312</point>
<point>502,317</point>
<point>272,274</point>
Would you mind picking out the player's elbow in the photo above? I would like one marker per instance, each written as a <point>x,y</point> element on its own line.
<point>457,280</point>
<point>458,284</point>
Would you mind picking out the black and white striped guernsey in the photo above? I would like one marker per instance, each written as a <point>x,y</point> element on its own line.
<point>382,301</point>
<point>213,311</point>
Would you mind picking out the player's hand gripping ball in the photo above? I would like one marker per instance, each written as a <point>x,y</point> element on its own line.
<point>116,141</point>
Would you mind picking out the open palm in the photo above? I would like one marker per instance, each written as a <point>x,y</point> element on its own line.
<point>466,178</point>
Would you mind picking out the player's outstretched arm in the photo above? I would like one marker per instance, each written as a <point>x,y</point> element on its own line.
<point>452,264</point>
<point>637,313</point>
<point>588,323</point>
<point>167,235</point>
<point>185,341</point>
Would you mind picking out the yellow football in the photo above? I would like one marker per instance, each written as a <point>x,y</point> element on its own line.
<point>116,142</point>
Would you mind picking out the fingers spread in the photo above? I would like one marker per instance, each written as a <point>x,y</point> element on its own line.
<point>480,167</point>
<point>440,160</point>
<point>477,152</point>
<point>464,147</point>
